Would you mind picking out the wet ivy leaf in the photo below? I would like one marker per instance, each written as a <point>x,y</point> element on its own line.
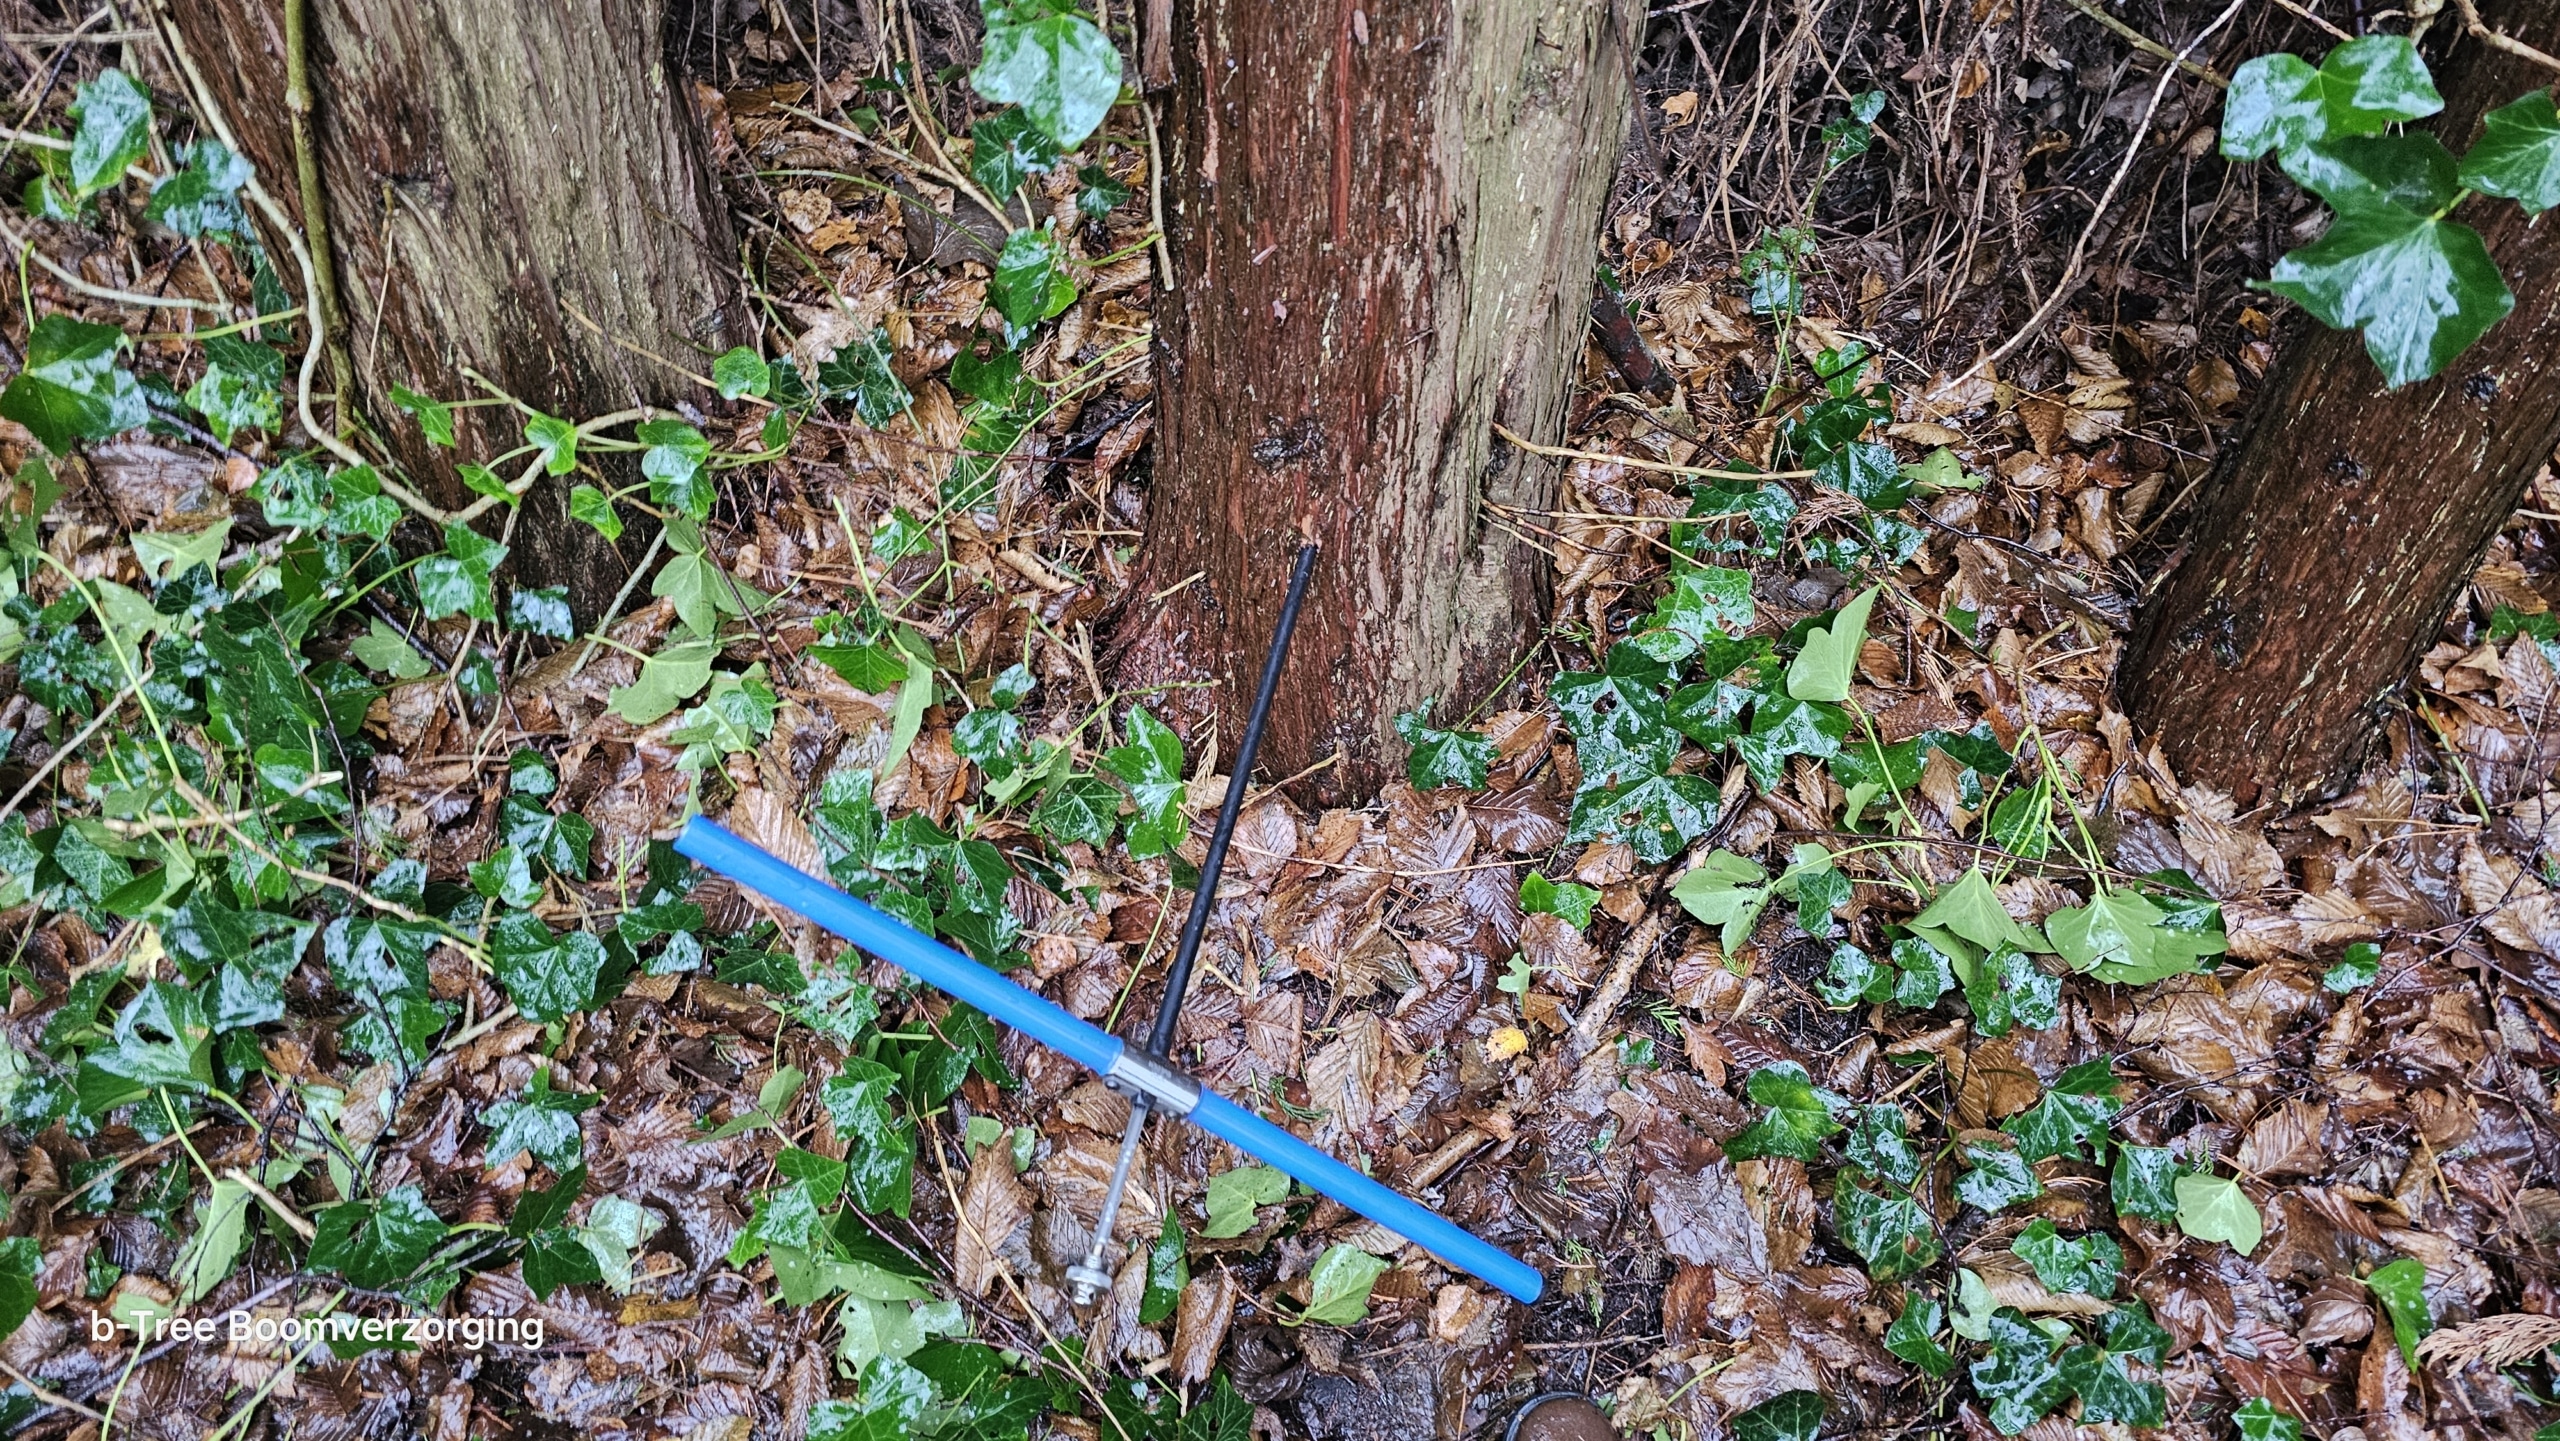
<point>2008,989</point>
<point>2259,1420</point>
<point>1622,732</point>
<point>1823,668</point>
<point>2401,1287</point>
<point>1881,1142</point>
<point>2414,172</point>
<point>2421,289</point>
<point>1081,809</point>
<point>1854,977</point>
<point>1782,728</point>
<point>561,841</point>
<point>673,465</point>
<point>860,371</point>
<point>1705,602</point>
<point>1891,1233</point>
<point>1101,193</point>
<point>1233,1195</point>
<point>668,679</point>
<point>2279,102</point>
<point>542,611</point>
<point>2144,1182</point>
<point>378,1243</point>
<point>543,1121</point>
<point>554,442</point>
<point>2087,1264</point>
<point>2108,1390</point>
<point>161,1038</point>
<point>1655,817</point>
<point>1151,763</point>
<point>547,974</point>
<point>1921,974</point>
<point>1970,908</point>
<point>504,876</point>
<point>203,197</point>
<point>71,388</point>
<point>113,116</point>
<point>1443,757</point>
<point>232,402</point>
<point>435,418</point>
<point>456,580</point>
<point>2518,154</point>
<point>2073,1114</point>
<point>1006,149</point>
<point>1868,471</point>
<point>1787,1416</point>
<point>1338,1284</point>
<point>741,372</point>
<point>1725,890</point>
<point>1540,896</point>
<point>1913,1336</point>
<point>2019,1378</point>
<point>1797,1115</point>
<point>1030,282</point>
<point>880,1162</point>
<point>558,1257</point>
<point>595,508</point>
<point>1997,1179</point>
<point>1168,1271</point>
<point>1053,62</point>
<point>2214,1208</point>
<point>2355,970</point>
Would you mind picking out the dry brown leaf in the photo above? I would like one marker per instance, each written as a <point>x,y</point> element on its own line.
<point>994,1203</point>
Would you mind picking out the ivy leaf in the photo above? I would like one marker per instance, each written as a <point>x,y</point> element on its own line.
<point>1030,283</point>
<point>1797,1117</point>
<point>1655,817</point>
<point>1151,763</point>
<point>1725,890</point>
<point>378,1243</point>
<point>1443,758</point>
<point>1822,670</point>
<point>2144,1182</point>
<point>2414,172</point>
<point>2072,1114</point>
<point>1892,1234</point>
<point>2279,102</point>
<point>71,388</point>
<point>1338,1284</point>
<point>1787,1416</point>
<point>1168,1271</point>
<point>1971,909</point>
<point>1998,1179</point>
<point>2019,1378</point>
<point>2259,1420</point>
<point>203,197</point>
<point>1233,1195</point>
<point>593,506</point>
<point>2518,155</point>
<point>544,1122</point>
<point>1540,896</point>
<point>2087,1265</point>
<point>859,371</point>
<point>741,372</point>
<point>2214,1208</point>
<point>880,1166</point>
<point>2401,1287</point>
<point>2421,289</point>
<point>542,611</point>
<point>2008,989</point>
<point>1054,63</point>
<point>1101,193</point>
<point>435,418</point>
<point>667,680</point>
<point>1705,602</point>
<point>1006,149</point>
<point>114,117</point>
<point>1921,974</point>
<point>2356,970</point>
<point>700,590</point>
<point>456,580</point>
<point>221,1226</point>
<point>1868,471</point>
<point>1622,732</point>
<point>673,465</point>
<point>1913,1336</point>
<point>547,974</point>
<point>555,441</point>
<point>1855,977</point>
<point>2108,1390</point>
<point>1782,728</point>
<point>1881,1142</point>
<point>1079,809</point>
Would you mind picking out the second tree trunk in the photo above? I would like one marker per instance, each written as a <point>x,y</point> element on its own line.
<point>1383,221</point>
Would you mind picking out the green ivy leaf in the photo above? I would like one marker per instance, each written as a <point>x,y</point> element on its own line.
<point>1540,896</point>
<point>71,388</point>
<point>1913,1336</point>
<point>880,1164</point>
<point>673,465</point>
<point>2279,102</point>
<point>1725,890</point>
<point>547,974</point>
<point>1151,763</point>
<point>1921,974</point>
<point>1881,1142</point>
<point>1855,978</point>
<point>1006,149</point>
<point>1079,809</point>
<point>2414,172</point>
<point>1622,732</point>
<point>1797,1116</point>
<point>1823,669</point>
<point>1443,758</point>
<point>2072,1114</point>
<point>859,371</point>
<point>1997,1179</point>
<point>1971,909</point>
<point>2401,1287</point>
<point>2144,1182</point>
<point>2259,1420</point>
<point>1030,283</point>
<point>2019,1378</point>
<point>113,113</point>
<point>2108,1391</point>
<point>544,1122</point>
<point>1168,1271</point>
<point>2519,154</point>
<point>1787,1416</point>
<point>2008,989</point>
<point>593,506</point>
<point>1233,1195</point>
<point>2421,289</point>
<point>701,591</point>
<point>435,418</point>
<point>376,1244</point>
<point>667,680</point>
<point>1705,602</point>
<point>1868,471</point>
<point>456,581</point>
<point>2088,1265</point>
<point>203,197</point>
<point>2214,1208</point>
<point>741,372</point>
<point>1338,1285</point>
<point>1054,63</point>
<point>554,441</point>
<point>542,611</point>
<point>1655,817</point>
<point>1892,1234</point>
<point>2356,970</point>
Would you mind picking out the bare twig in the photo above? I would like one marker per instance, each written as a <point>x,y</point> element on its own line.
<point>1638,463</point>
<point>2471,21</point>
<point>2149,46</point>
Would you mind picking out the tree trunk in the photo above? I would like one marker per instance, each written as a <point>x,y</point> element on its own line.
<point>1383,228</point>
<point>2337,534</point>
<point>493,171</point>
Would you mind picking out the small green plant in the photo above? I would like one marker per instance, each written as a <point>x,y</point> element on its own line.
<point>2394,264</point>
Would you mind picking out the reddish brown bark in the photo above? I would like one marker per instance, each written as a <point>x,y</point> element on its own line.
<point>1383,221</point>
<point>493,170</point>
<point>2339,531</point>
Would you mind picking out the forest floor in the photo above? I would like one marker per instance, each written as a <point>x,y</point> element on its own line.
<point>457,1034</point>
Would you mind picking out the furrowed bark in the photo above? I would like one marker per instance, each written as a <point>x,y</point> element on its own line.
<point>2342,526</point>
<point>492,170</point>
<point>1384,220</point>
